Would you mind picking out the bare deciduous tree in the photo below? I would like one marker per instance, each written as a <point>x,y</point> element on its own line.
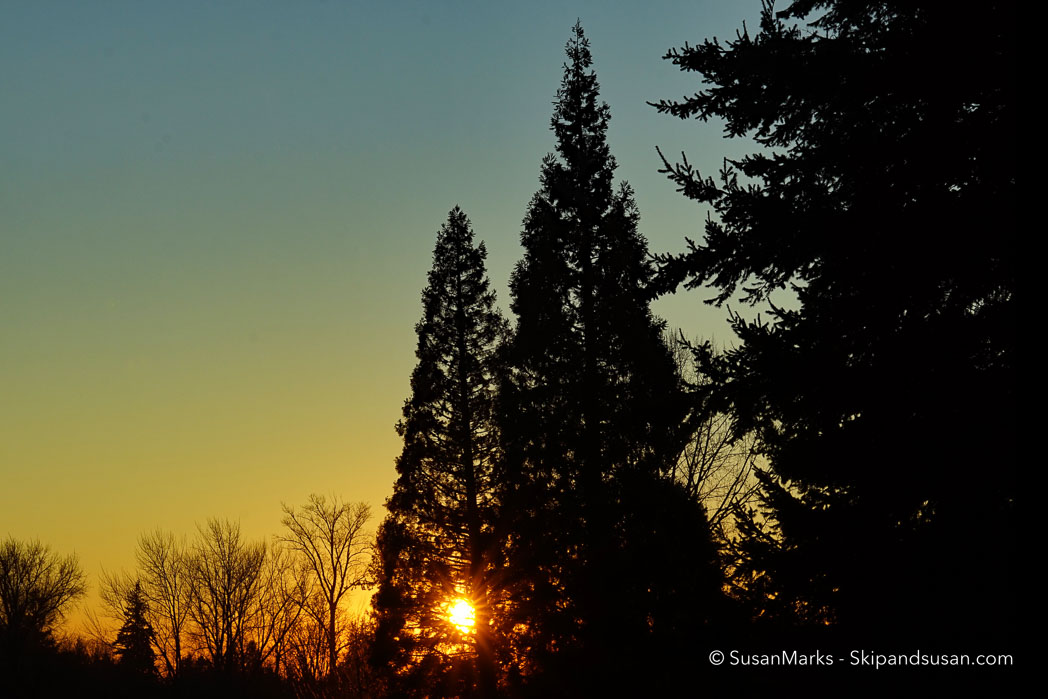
<point>331,538</point>
<point>101,624</point>
<point>226,575</point>
<point>166,587</point>
<point>717,470</point>
<point>36,588</point>
<point>716,467</point>
<point>308,657</point>
<point>164,570</point>
<point>277,608</point>
<point>237,609</point>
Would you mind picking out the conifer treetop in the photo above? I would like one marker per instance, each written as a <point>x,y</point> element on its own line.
<point>580,119</point>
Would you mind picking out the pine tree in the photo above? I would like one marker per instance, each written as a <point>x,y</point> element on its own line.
<point>134,641</point>
<point>438,543</point>
<point>884,398</point>
<point>592,408</point>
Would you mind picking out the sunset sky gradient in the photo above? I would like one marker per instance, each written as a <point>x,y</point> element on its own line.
<point>216,219</point>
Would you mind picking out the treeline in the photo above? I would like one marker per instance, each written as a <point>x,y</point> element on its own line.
<point>216,614</point>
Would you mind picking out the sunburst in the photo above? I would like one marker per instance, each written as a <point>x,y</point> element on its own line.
<point>462,615</point>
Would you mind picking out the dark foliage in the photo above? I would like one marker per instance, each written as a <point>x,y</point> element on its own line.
<point>884,397</point>
<point>591,407</point>
<point>438,543</point>
<point>134,641</point>
<point>37,588</point>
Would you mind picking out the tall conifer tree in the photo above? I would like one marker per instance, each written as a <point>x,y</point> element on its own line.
<point>134,641</point>
<point>884,397</point>
<point>592,406</point>
<point>437,544</point>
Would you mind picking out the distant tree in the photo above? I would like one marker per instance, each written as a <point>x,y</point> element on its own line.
<point>716,468</point>
<point>331,539</point>
<point>165,573</point>
<point>438,542</point>
<point>134,641</point>
<point>306,656</point>
<point>36,589</point>
<point>592,409</point>
<point>884,397</point>
<point>356,675</point>
<point>227,576</point>
<point>277,608</point>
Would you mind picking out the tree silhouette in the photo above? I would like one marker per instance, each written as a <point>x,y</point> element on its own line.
<point>226,587</point>
<point>884,397</point>
<point>134,641</point>
<point>437,544</point>
<point>592,408</point>
<point>165,572</point>
<point>715,467</point>
<point>332,540</point>
<point>36,589</point>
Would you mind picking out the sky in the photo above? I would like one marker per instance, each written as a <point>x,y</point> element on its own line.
<point>216,220</point>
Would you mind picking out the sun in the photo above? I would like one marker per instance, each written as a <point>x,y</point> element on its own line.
<point>462,616</point>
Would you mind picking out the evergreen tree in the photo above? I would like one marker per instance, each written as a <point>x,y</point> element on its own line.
<point>438,543</point>
<point>592,408</point>
<point>884,398</point>
<point>134,642</point>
